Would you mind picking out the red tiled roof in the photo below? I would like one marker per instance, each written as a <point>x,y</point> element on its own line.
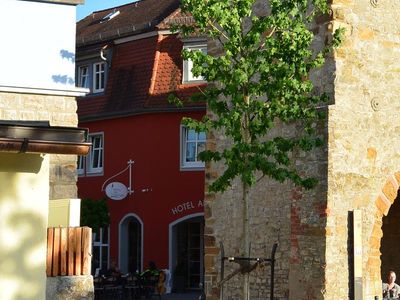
<point>143,72</point>
<point>176,18</point>
<point>133,18</point>
<point>135,65</point>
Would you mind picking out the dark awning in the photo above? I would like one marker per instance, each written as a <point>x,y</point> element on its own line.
<point>40,137</point>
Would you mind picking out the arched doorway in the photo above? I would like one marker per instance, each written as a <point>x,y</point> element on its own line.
<point>382,236</point>
<point>390,242</point>
<point>131,244</point>
<point>186,251</point>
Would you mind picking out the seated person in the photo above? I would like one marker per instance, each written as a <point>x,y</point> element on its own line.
<point>151,270</point>
<point>114,271</point>
<point>391,290</point>
<point>149,279</point>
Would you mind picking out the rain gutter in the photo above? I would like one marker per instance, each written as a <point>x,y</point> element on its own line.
<point>40,137</point>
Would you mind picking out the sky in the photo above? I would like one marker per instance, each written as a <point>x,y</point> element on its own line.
<point>94,5</point>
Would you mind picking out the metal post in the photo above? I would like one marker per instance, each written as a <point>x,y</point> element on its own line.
<point>222,271</point>
<point>273,270</point>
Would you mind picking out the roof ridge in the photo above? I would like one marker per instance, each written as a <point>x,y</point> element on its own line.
<point>114,7</point>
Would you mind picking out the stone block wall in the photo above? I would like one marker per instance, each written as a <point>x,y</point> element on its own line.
<point>282,213</point>
<point>70,288</point>
<point>60,111</point>
<point>357,169</point>
<point>363,137</point>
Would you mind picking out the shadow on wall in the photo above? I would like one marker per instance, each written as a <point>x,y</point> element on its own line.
<point>65,54</point>
<point>65,79</point>
<point>27,163</point>
<point>22,231</point>
<point>28,247</point>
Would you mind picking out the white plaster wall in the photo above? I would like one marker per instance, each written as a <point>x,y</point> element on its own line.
<point>24,198</point>
<point>37,47</point>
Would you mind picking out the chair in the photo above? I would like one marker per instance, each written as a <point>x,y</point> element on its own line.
<point>98,287</point>
<point>153,285</point>
<point>113,288</point>
<point>131,287</point>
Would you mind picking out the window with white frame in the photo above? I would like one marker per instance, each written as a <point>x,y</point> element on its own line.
<point>100,250</point>
<point>192,143</point>
<point>81,165</point>
<point>93,76</point>
<point>93,162</point>
<point>98,77</point>
<point>188,64</point>
<point>83,76</point>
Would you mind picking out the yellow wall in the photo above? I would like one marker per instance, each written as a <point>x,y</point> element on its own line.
<point>64,212</point>
<point>24,197</point>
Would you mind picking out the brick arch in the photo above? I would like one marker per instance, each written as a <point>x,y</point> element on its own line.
<point>383,203</point>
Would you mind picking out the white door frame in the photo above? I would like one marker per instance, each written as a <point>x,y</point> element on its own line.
<point>170,231</point>
<point>123,242</point>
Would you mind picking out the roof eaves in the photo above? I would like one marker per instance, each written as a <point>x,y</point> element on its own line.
<point>128,113</point>
<point>117,33</point>
<point>40,137</point>
<point>72,2</point>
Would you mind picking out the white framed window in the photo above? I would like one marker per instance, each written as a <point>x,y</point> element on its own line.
<point>95,163</point>
<point>92,163</point>
<point>93,76</point>
<point>100,249</point>
<point>80,165</point>
<point>192,143</point>
<point>99,74</point>
<point>188,64</point>
<point>83,76</point>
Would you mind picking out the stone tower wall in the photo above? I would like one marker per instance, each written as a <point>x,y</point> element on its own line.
<point>363,137</point>
<point>356,170</point>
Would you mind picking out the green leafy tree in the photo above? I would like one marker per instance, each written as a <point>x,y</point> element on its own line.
<point>258,79</point>
<point>94,213</point>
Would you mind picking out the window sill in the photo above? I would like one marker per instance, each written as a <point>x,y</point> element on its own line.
<point>92,174</point>
<point>187,82</point>
<point>191,168</point>
<point>91,94</point>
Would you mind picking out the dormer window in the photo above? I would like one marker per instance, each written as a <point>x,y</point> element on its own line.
<point>83,76</point>
<point>92,76</point>
<point>98,77</point>
<point>188,76</point>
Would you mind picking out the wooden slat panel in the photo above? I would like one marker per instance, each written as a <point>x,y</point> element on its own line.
<point>87,250</point>
<point>49,258</point>
<point>56,253</point>
<point>71,251</point>
<point>63,251</point>
<point>78,256</point>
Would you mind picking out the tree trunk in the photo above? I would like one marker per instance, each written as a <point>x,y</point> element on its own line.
<point>246,239</point>
<point>245,206</point>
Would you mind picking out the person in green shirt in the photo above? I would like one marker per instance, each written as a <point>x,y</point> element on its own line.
<point>149,279</point>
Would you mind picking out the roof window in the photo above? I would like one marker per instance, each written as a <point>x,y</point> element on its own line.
<point>110,16</point>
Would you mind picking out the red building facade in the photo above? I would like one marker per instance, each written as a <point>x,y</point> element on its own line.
<point>131,63</point>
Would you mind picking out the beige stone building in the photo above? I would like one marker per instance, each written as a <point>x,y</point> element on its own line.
<point>38,144</point>
<point>337,240</point>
